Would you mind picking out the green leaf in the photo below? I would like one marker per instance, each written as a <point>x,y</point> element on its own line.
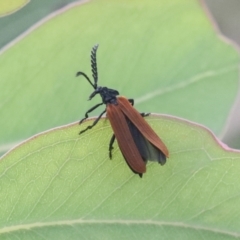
<point>11,6</point>
<point>164,54</point>
<point>59,184</point>
<point>18,24</point>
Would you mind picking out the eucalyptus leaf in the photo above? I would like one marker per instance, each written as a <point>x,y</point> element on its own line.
<point>11,6</point>
<point>62,185</point>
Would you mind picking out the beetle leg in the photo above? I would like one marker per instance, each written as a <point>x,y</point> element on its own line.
<point>131,101</point>
<point>142,114</point>
<point>111,146</point>
<point>94,123</point>
<point>90,110</point>
<point>145,114</point>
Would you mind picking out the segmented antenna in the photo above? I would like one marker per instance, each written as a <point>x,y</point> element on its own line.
<point>94,64</point>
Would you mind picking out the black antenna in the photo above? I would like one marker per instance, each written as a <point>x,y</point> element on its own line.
<point>94,65</point>
<point>82,73</point>
<point>94,68</point>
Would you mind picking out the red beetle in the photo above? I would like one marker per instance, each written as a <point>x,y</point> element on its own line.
<point>136,139</point>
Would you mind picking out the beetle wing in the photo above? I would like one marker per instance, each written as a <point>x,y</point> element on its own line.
<point>141,124</point>
<point>146,149</point>
<point>125,139</point>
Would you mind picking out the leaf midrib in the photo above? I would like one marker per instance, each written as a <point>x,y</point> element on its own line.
<point>80,221</point>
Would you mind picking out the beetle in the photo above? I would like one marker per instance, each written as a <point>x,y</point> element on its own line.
<point>136,139</point>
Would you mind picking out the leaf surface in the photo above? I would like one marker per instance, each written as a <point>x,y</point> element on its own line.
<point>59,185</point>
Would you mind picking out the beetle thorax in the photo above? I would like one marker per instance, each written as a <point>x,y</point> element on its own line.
<point>108,95</point>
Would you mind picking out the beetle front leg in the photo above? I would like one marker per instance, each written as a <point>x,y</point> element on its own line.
<point>90,110</point>
<point>94,123</point>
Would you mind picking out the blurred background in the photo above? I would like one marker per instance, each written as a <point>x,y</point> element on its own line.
<point>227,17</point>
